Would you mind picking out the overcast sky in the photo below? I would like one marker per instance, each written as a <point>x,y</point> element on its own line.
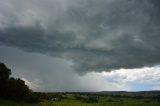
<point>82,45</point>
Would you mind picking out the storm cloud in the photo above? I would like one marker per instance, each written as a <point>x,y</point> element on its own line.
<point>94,35</point>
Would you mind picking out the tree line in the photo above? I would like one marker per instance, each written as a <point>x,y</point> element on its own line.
<point>14,88</point>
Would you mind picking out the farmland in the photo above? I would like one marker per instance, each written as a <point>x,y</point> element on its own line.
<point>93,99</point>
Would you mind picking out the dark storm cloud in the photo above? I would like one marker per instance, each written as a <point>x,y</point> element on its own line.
<point>94,35</point>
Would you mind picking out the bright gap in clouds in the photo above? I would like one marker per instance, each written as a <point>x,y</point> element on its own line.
<point>140,79</point>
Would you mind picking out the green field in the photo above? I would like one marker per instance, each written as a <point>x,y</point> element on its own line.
<point>105,102</point>
<point>77,103</point>
<point>47,103</point>
<point>89,100</point>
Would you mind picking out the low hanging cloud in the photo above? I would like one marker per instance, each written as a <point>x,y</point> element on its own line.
<point>94,35</point>
<point>122,80</point>
<point>43,73</point>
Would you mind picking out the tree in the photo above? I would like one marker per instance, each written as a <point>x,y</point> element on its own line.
<point>4,76</point>
<point>4,72</point>
<point>16,89</point>
<point>12,88</point>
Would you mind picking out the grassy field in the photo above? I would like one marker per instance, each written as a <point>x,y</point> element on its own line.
<point>78,103</point>
<point>89,100</point>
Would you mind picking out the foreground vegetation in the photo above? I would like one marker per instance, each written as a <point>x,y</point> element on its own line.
<point>93,99</point>
<point>15,88</point>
